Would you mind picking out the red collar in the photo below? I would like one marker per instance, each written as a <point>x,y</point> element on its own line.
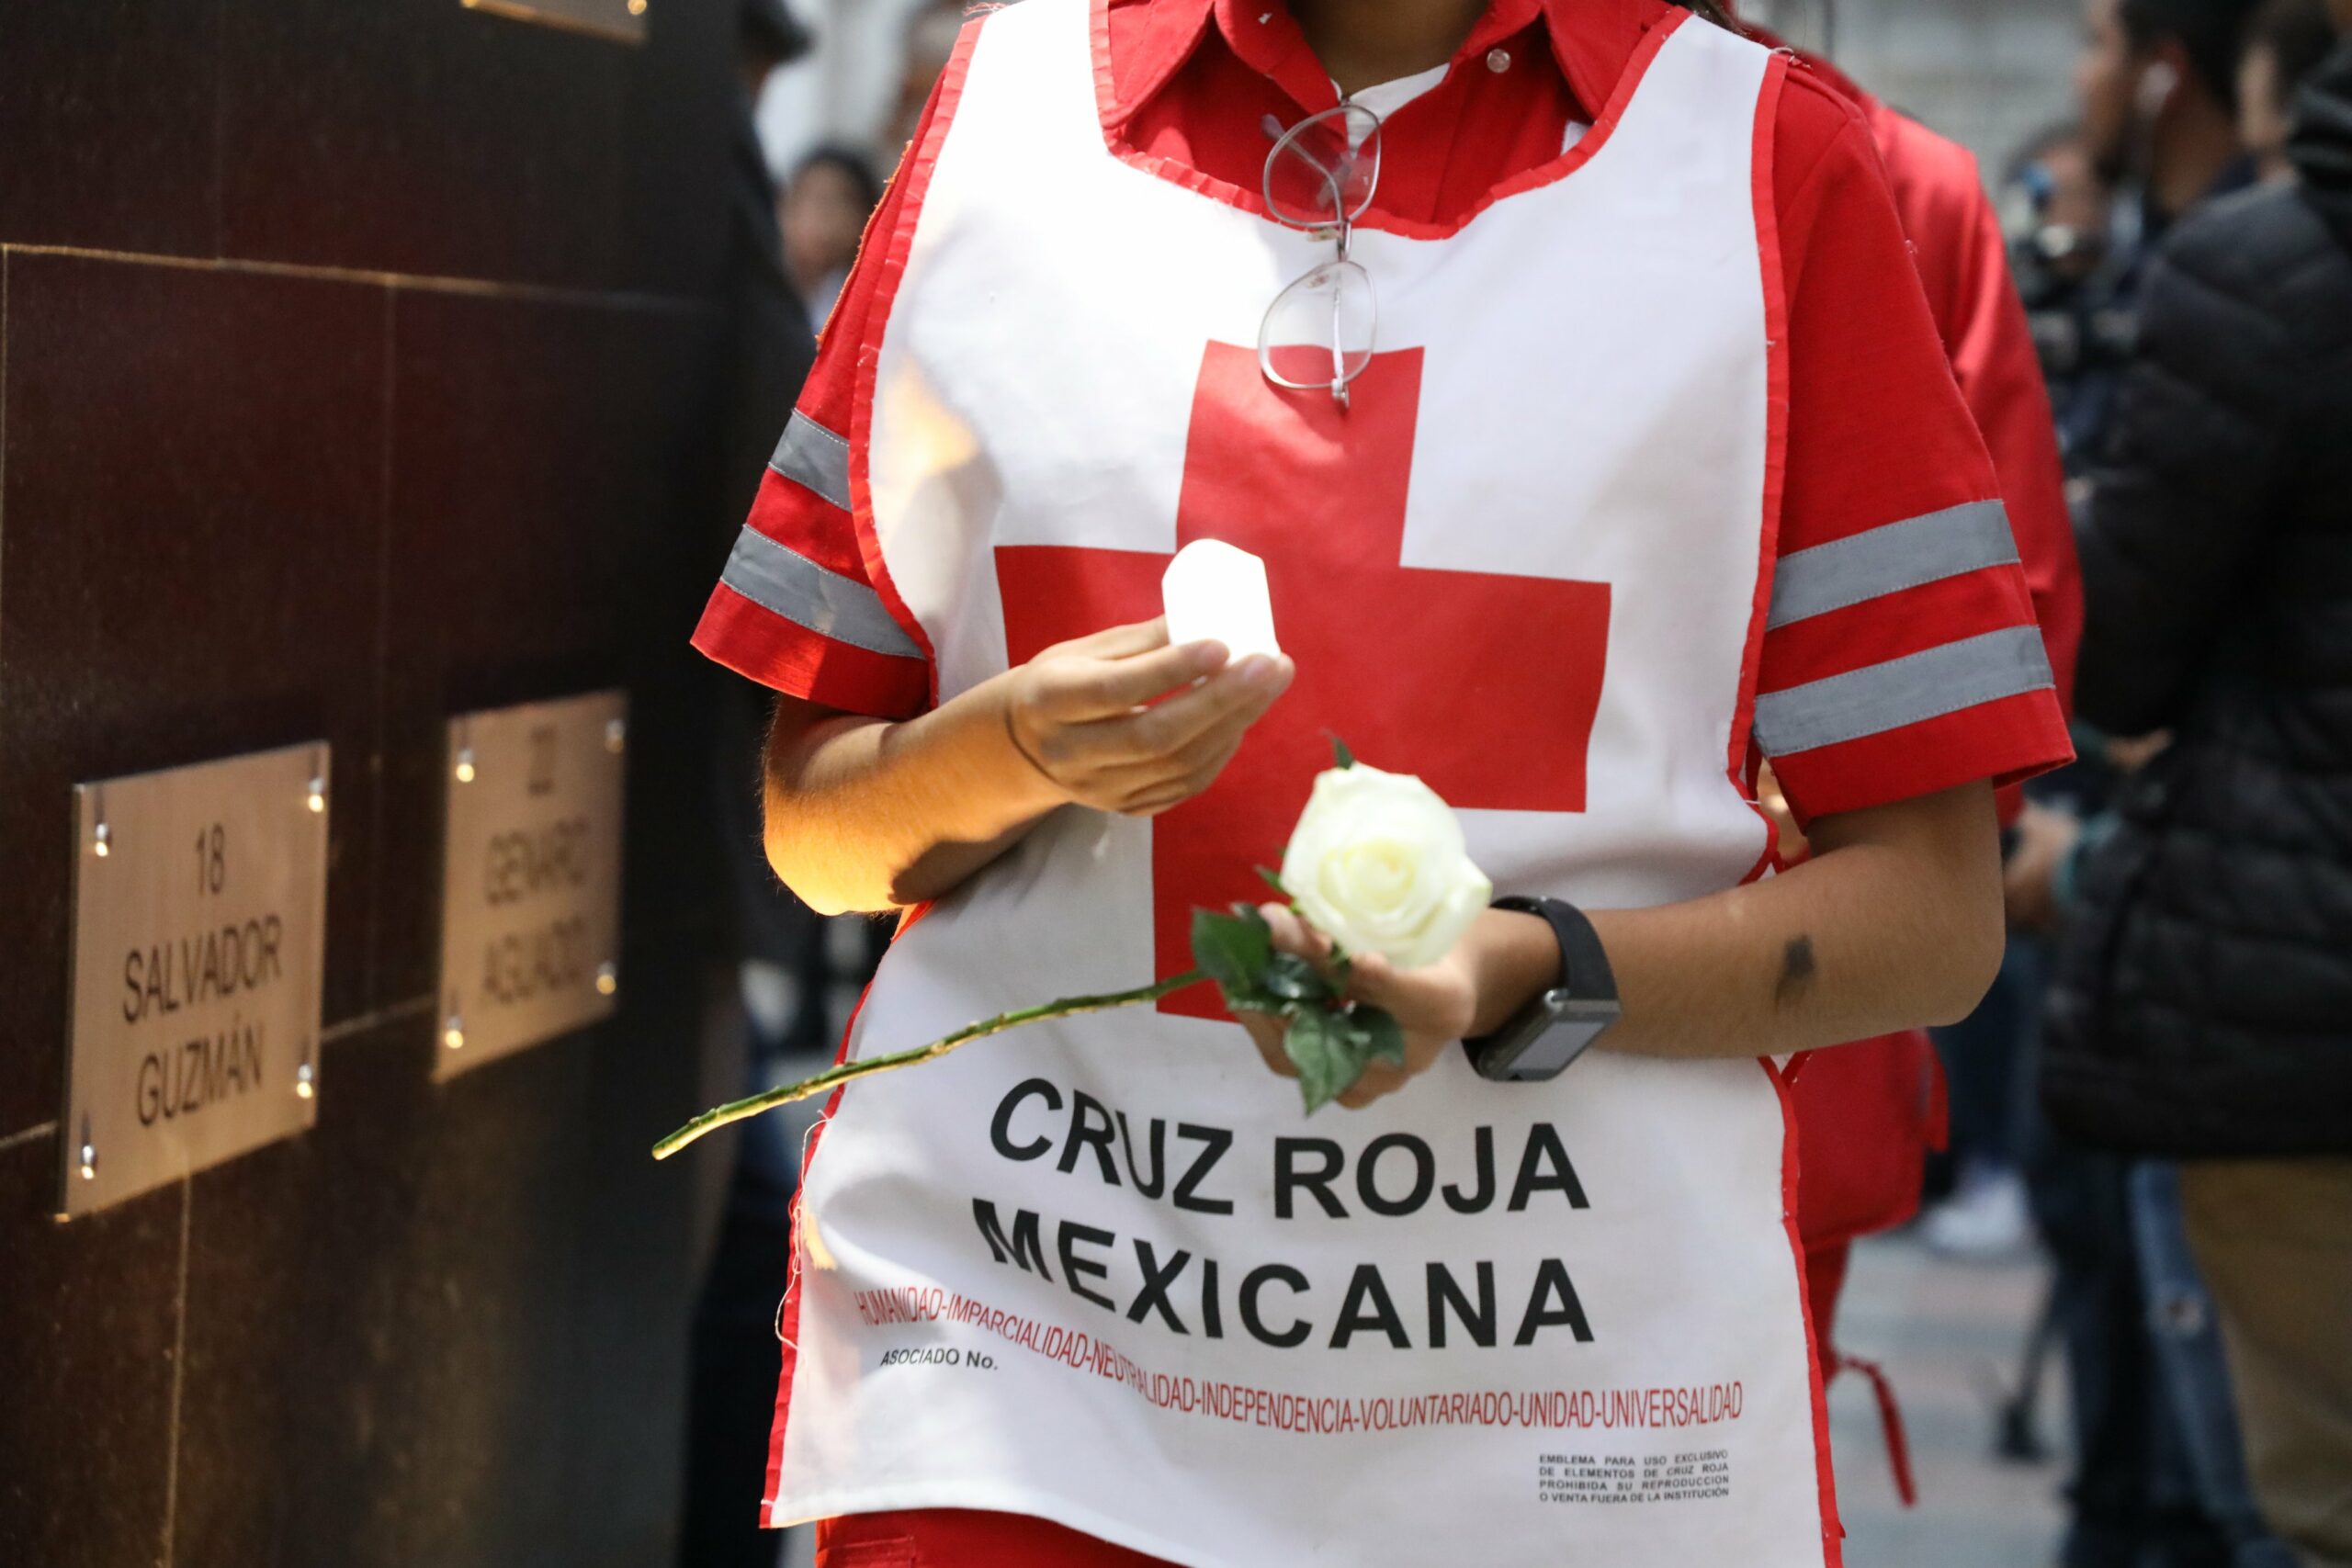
<point>1592,40</point>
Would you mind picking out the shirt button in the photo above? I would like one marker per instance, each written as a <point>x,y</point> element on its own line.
<point>1497,60</point>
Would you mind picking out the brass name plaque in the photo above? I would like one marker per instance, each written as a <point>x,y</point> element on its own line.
<point>530,894</point>
<point>199,926</point>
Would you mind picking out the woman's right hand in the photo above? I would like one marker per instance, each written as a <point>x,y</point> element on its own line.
<point>1086,714</point>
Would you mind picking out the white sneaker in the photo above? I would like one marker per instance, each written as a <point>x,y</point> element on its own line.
<point>1984,1219</point>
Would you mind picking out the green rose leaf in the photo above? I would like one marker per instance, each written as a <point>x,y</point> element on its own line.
<point>1340,755</point>
<point>1233,950</point>
<point>1294,980</point>
<point>1273,879</point>
<point>1317,1046</point>
<point>1328,1043</point>
<point>1384,1036</point>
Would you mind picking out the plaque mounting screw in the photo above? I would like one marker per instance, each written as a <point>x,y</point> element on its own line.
<point>99,841</point>
<point>90,1152</point>
<point>453,1033</point>
<point>608,979</point>
<point>465,768</point>
<point>306,1077</point>
<point>615,734</point>
<point>317,799</point>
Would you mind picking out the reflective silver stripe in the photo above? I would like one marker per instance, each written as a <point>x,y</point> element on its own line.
<point>778,578</point>
<point>811,455</point>
<point>1890,558</point>
<point>1919,686</point>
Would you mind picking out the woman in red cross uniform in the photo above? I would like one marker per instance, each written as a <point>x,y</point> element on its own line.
<point>1562,362</point>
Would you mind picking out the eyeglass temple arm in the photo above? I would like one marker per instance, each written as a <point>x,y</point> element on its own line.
<point>1334,179</point>
<point>1338,348</point>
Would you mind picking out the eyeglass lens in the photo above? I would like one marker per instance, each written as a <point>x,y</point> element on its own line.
<point>1318,332</point>
<point>1324,169</point>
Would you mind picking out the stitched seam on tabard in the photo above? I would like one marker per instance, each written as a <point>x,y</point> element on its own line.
<point>781,581</point>
<point>816,429</point>
<point>1878,698</point>
<point>824,473</point>
<point>1891,559</point>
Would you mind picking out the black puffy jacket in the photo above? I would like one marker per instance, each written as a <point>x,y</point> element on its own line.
<point>2204,999</point>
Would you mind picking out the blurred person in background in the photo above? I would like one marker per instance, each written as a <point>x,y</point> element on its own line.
<point>2058,212</point>
<point>2155,84</point>
<point>2055,209</point>
<point>2159,1476</point>
<point>822,213</point>
<point>768,348</point>
<point>2285,43</point>
<point>2158,83</point>
<point>2204,1009</point>
<point>930,43</point>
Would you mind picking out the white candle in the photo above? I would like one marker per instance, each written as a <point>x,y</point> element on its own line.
<point>1214,590</point>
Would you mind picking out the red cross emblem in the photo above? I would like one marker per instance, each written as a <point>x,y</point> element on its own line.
<point>1484,683</point>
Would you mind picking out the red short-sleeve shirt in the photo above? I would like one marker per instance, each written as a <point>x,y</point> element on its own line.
<point>1900,656</point>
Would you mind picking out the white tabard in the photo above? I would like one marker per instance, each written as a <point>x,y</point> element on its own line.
<point>1103,1270</point>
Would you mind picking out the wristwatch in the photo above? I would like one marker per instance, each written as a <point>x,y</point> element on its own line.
<point>1563,1020</point>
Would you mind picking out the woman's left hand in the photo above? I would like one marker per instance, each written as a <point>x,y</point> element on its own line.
<point>1435,1006</point>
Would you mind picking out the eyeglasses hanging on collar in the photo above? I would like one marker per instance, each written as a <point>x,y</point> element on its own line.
<point>1318,332</point>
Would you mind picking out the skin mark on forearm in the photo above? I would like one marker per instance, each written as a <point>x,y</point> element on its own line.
<point>1797,969</point>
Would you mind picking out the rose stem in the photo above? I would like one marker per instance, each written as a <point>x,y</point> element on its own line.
<point>738,1110</point>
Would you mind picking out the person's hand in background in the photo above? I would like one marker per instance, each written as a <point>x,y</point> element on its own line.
<point>2045,838</point>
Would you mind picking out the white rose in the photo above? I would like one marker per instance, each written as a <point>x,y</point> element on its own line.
<point>1378,863</point>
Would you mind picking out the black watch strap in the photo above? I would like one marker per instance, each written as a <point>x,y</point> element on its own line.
<point>1563,1020</point>
<point>1584,968</point>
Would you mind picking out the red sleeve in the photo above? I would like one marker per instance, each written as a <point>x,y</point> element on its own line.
<point>1901,655</point>
<point>794,609</point>
<point>1964,261</point>
<point>2000,376</point>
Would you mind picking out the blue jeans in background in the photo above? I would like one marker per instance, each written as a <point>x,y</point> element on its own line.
<point>2187,1339</point>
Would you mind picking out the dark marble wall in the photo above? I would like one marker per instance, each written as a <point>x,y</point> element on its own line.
<point>355,367</point>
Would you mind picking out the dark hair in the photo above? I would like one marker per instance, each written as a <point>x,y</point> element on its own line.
<point>769,31</point>
<point>2208,31</point>
<point>2299,35</point>
<point>851,163</point>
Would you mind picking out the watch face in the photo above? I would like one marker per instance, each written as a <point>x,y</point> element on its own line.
<point>1574,1026</point>
<point>1552,1050</point>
